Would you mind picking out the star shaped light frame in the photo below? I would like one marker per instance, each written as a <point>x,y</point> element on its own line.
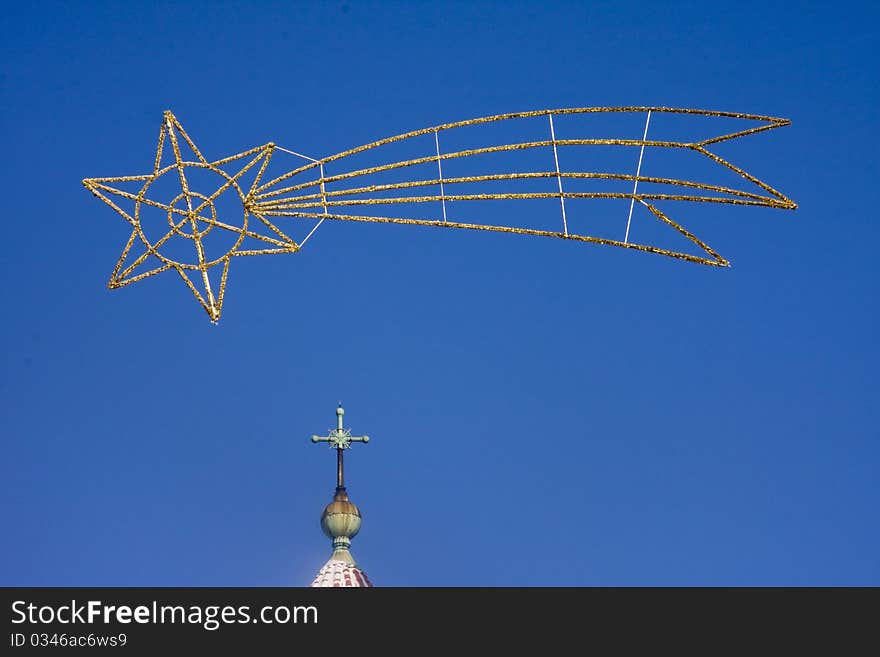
<point>127,269</point>
<point>319,196</point>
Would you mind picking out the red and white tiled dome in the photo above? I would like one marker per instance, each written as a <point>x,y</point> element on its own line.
<point>340,573</point>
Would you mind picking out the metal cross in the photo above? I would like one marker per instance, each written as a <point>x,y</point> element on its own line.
<point>340,439</point>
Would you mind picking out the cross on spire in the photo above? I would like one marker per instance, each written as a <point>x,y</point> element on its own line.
<point>340,439</point>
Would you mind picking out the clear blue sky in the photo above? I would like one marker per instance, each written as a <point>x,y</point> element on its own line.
<point>542,412</point>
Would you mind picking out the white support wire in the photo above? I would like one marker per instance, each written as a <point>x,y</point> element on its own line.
<point>632,201</point>
<point>311,232</point>
<point>440,171</point>
<point>558,175</point>
<point>305,157</point>
<point>323,191</point>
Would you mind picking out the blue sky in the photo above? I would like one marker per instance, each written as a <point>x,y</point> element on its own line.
<point>541,412</point>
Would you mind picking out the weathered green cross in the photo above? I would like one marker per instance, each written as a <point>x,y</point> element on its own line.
<point>340,439</point>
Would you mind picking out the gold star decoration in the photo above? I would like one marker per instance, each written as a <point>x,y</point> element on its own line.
<point>190,215</point>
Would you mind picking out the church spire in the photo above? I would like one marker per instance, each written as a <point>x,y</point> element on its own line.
<point>341,519</point>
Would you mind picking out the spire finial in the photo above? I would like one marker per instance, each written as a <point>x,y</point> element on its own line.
<point>341,519</point>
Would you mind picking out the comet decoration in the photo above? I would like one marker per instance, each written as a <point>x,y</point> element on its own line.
<point>352,193</point>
